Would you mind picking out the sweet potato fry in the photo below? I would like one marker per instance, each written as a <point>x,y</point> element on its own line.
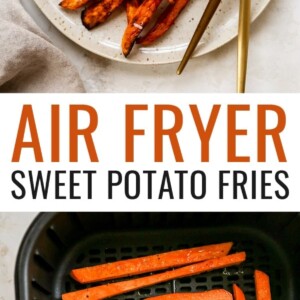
<point>73,4</point>
<point>146,264</point>
<point>98,13</point>
<point>117,288</point>
<point>262,285</point>
<point>165,21</point>
<point>238,293</point>
<point>131,8</point>
<point>142,17</point>
<point>207,295</point>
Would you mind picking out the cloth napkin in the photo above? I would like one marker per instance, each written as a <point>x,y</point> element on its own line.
<point>28,60</point>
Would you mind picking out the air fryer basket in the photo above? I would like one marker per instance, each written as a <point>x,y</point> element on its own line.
<point>58,242</point>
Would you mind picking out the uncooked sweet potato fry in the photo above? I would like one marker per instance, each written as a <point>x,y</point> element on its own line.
<point>73,4</point>
<point>98,12</point>
<point>262,285</point>
<point>207,295</point>
<point>117,288</point>
<point>165,21</point>
<point>146,264</point>
<point>142,17</point>
<point>238,294</point>
<point>131,8</point>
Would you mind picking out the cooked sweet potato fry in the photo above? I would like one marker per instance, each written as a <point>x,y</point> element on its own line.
<point>142,17</point>
<point>99,12</point>
<point>207,295</point>
<point>117,288</point>
<point>131,8</point>
<point>150,263</point>
<point>262,285</point>
<point>165,21</point>
<point>73,4</point>
<point>238,293</point>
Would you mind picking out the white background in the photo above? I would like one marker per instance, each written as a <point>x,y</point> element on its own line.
<point>109,139</point>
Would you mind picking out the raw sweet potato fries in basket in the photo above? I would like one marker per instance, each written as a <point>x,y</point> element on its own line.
<point>174,264</point>
<point>139,14</point>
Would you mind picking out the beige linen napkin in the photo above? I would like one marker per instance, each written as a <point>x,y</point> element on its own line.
<point>28,60</point>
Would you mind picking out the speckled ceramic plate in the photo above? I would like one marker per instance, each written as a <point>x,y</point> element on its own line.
<point>105,39</point>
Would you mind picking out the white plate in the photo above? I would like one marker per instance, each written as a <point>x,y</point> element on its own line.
<point>105,39</point>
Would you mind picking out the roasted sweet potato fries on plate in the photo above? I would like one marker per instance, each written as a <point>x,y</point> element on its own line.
<point>139,14</point>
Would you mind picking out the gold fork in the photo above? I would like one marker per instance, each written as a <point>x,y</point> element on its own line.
<point>203,23</point>
<point>243,44</point>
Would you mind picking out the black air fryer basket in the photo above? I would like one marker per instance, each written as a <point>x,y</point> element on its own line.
<point>58,242</point>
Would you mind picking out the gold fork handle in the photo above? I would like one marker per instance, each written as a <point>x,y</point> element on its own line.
<point>243,43</point>
<point>203,23</point>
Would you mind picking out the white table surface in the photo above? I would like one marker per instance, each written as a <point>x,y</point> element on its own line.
<point>274,60</point>
<point>12,229</point>
<point>273,67</point>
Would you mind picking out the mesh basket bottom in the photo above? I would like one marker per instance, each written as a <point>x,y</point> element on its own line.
<point>262,253</point>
